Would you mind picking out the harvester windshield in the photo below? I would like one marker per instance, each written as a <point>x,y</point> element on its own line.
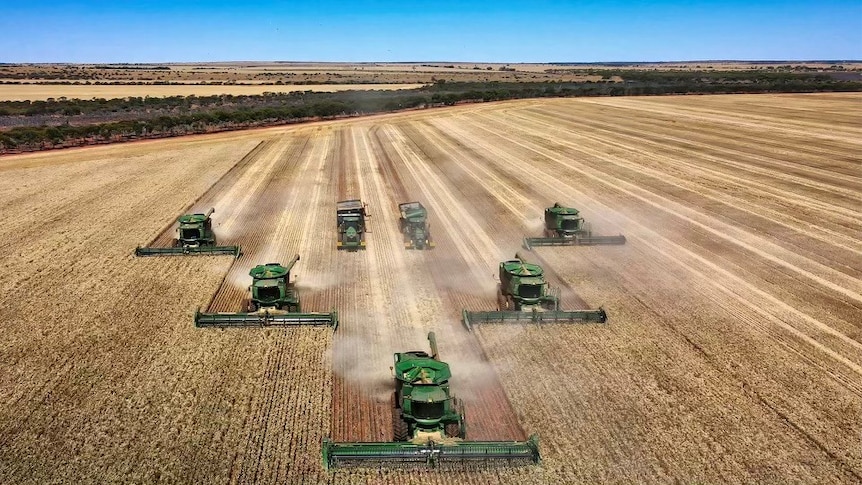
<point>531,290</point>
<point>193,233</point>
<point>267,290</point>
<point>351,222</point>
<point>570,223</point>
<point>428,410</point>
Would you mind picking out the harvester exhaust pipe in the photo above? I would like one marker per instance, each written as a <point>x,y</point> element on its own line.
<point>209,212</point>
<point>432,339</point>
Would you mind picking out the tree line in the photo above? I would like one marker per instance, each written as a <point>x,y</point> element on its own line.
<point>62,125</point>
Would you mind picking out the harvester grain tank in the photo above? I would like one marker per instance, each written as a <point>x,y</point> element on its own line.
<point>524,295</point>
<point>428,424</point>
<point>564,226</point>
<point>273,301</point>
<point>195,235</point>
<point>351,224</point>
<point>415,226</point>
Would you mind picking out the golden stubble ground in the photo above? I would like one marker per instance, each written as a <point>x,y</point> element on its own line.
<point>732,353</point>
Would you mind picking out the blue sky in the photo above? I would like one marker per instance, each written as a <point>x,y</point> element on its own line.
<point>441,30</point>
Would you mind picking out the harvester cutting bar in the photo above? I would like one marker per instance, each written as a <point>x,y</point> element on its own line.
<point>142,251</point>
<point>264,319</point>
<point>529,242</point>
<point>538,317</point>
<point>431,454</point>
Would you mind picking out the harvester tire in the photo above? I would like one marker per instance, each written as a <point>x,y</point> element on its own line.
<point>399,426</point>
<point>502,304</point>
<point>453,430</point>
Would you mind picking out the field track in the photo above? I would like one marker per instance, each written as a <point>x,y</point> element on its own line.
<point>733,353</point>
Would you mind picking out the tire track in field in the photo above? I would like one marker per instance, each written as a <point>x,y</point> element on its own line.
<point>804,130</point>
<point>490,414</point>
<point>789,324</point>
<point>351,401</point>
<point>276,396</point>
<point>703,143</point>
<point>225,183</point>
<point>743,158</point>
<point>817,272</point>
<point>760,193</point>
<point>846,309</point>
<point>259,206</point>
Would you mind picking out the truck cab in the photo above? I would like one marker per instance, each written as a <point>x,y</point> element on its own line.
<point>350,216</point>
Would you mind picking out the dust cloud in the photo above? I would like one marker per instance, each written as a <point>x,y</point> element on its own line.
<point>317,280</point>
<point>362,354</point>
<point>461,279</point>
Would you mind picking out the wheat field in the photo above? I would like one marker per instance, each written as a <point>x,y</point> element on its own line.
<point>732,354</point>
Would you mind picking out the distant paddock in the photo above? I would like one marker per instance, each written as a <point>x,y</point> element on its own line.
<point>34,92</point>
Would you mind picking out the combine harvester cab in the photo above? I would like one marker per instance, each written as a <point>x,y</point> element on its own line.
<point>351,224</point>
<point>273,301</point>
<point>524,296</point>
<point>414,226</point>
<point>565,227</point>
<point>194,236</point>
<point>428,424</point>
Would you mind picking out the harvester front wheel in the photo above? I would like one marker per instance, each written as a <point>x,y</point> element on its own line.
<point>453,430</point>
<point>399,426</point>
<point>502,304</point>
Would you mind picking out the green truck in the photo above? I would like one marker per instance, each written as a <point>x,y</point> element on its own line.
<point>350,215</point>
<point>415,226</point>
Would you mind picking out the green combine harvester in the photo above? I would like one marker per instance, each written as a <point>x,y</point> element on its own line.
<point>428,424</point>
<point>273,301</point>
<point>194,236</point>
<point>350,215</point>
<point>565,227</point>
<point>525,296</point>
<point>415,227</point>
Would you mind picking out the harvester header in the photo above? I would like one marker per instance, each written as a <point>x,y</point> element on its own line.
<point>564,226</point>
<point>194,236</point>
<point>428,424</point>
